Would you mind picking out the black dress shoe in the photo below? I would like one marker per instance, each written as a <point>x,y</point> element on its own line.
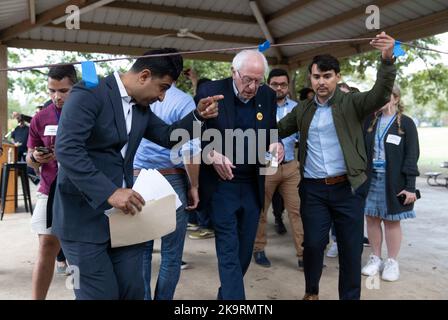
<point>280,226</point>
<point>366,242</point>
<point>300,264</point>
<point>261,259</point>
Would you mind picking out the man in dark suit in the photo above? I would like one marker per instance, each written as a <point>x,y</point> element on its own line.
<point>98,135</point>
<point>231,183</point>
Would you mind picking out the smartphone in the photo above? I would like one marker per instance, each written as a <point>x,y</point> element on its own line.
<point>402,197</point>
<point>44,150</point>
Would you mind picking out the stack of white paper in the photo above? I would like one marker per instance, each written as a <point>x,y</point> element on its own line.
<point>152,185</point>
<point>157,218</point>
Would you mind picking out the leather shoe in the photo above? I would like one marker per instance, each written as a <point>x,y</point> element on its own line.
<point>260,259</point>
<point>300,264</point>
<point>280,226</point>
<point>310,296</point>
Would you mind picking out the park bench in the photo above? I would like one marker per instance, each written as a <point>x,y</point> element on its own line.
<point>431,177</point>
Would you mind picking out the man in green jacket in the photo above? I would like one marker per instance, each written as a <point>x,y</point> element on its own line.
<point>334,166</point>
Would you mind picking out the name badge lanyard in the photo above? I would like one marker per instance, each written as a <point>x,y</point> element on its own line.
<point>58,116</point>
<point>380,138</point>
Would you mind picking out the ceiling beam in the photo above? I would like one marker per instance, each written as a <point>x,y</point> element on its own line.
<point>406,31</point>
<point>293,7</point>
<point>102,27</point>
<point>41,19</point>
<point>254,6</point>
<point>333,21</point>
<point>32,11</point>
<point>117,50</point>
<point>183,12</point>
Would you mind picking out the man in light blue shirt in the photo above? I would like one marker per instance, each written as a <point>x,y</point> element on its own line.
<point>149,155</point>
<point>332,153</point>
<point>325,158</point>
<point>285,180</point>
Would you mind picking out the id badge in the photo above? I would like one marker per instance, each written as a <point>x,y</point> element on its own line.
<point>379,165</point>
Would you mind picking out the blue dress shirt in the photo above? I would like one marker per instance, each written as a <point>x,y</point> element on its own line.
<point>324,157</point>
<point>176,105</point>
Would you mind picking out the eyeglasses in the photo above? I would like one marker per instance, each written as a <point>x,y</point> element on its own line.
<point>247,81</point>
<point>275,85</point>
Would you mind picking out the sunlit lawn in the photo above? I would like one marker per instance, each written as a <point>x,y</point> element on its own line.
<point>433,149</point>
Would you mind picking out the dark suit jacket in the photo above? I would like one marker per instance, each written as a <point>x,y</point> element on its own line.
<point>91,134</point>
<point>266,104</point>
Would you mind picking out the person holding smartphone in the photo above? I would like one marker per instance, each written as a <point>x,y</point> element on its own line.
<point>41,156</point>
<point>391,140</point>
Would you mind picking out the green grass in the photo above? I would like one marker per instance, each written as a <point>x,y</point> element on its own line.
<point>433,149</point>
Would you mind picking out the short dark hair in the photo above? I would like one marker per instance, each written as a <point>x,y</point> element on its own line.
<point>325,62</point>
<point>60,72</point>
<point>304,93</point>
<point>277,73</point>
<point>160,66</point>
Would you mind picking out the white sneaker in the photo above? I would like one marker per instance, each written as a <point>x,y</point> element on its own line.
<point>333,251</point>
<point>373,266</point>
<point>391,270</point>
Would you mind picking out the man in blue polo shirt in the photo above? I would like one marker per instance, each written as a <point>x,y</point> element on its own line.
<point>176,105</point>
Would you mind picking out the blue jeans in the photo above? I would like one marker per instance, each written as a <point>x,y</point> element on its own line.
<point>201,218</point>
<point>171,250</point>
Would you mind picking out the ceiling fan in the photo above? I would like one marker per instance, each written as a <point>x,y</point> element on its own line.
<point>181,33</point>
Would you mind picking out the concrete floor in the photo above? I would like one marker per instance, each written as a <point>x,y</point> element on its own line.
<point>423,262</point>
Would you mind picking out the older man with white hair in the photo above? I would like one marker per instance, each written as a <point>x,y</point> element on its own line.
<point>231,185</point>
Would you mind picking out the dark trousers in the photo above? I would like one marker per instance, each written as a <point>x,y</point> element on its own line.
<point>277,205</point>
<point>321,205</point>
<point>201,218</point>
<point>105,273</point>
<point>60,257</point>
<point>235,210</point>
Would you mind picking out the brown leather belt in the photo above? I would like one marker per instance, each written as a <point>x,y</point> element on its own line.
<point>329,181</point>
<point>164,172</point>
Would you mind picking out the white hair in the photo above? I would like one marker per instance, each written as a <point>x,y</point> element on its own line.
<point>245,55</point>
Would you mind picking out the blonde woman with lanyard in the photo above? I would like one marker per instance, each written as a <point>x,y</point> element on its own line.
<point>392,148</point>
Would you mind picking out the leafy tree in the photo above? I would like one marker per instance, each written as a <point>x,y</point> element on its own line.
<point>205,69</point>
<point>426,91</point>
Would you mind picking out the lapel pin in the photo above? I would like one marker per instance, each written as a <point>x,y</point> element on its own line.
<point>259,116</point>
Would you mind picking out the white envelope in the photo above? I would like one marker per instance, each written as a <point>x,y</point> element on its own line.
<point>157,219</point>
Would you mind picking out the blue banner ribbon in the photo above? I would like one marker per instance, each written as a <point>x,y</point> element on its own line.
<point>89,75</point>
<point>398,50</point>
<point>264,46</point>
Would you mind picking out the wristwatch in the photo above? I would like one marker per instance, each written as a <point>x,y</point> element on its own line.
<point>198,116</point>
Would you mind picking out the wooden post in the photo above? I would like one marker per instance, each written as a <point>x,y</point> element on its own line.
<point>3,91</point>
<point>11,195</point>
